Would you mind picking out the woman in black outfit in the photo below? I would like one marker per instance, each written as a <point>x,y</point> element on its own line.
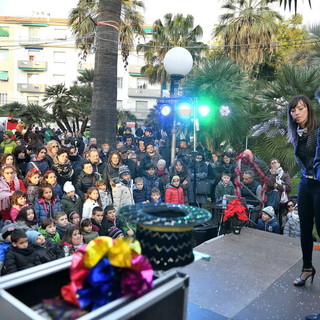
<point>304,135</point>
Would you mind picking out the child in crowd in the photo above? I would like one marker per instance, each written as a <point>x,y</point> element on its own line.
<point>139,193</point>
<point>46,250</point>
<point>268,221</point>
<point>18,201</point>
<point>99,221</point>
<point>92,200</point>
<point>62,223</point>
<point>87,231</point>
<point>122,192</point>
<point>26,219</point>
<point>49,230</point>
<point>70,201</point>
<point>74,218</point>
<point>19,256</point>
<point>225,186</point>
<point>104,193</point>
<point>292,226</point>
<point>32,183</point>
<point>6,231</point>
<point>155,196</point>
<point>151,180</point>
<point>72,240</point>
<point>47,204</point>
<point>174,193</point>
<point>111,216</point>
<point>50,178</point>
<point>115,233</point>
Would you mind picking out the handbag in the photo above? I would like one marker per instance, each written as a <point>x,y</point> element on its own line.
<point>203,187</point>
<point>273,199</point>
<point>284,196</point>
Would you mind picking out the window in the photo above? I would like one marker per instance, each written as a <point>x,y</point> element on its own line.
<point>3,98</point>
<point>59,57</point>
<point>33,78</point>
<point>4,54</point>
<point>119,83</point>
<point>59,78</point>
<point>33,99</point>
<point>34,55</point>
<point>141,84</point>
<point>60,34</point>
<point>4,31</point>
<point>4,75</point>
<point>34,33</point>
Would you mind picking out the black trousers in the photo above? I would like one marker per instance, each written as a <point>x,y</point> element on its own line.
<point>309,211</point>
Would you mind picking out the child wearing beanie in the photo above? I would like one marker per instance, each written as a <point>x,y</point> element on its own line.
<point>70,201</point>
<point>6,231</point>
<point>268,221</point>
<point>174,193</point>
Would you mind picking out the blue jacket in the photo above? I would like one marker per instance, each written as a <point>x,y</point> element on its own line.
<point>271,226</point>
<point>139,196</point>
<point>42,210</point>
<point>4,245</point>
<point>150,182</point>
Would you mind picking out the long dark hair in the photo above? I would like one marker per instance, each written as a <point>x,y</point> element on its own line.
<point>311,124</point>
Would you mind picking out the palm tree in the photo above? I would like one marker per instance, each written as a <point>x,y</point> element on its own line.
<point>106,22</point>
<point>174,31</point>
<point>247,32</point>
<point>289,3</point>
<point>56,98</point>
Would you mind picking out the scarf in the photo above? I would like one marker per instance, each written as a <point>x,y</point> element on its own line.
<point>161,172</point>
<point>6,191</point>
<point>279,175</point>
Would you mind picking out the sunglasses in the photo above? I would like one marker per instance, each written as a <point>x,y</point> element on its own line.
<point>290,205</point>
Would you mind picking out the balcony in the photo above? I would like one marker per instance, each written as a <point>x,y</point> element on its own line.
<point>35,88</point>
<point>146,93</point>
<point>27,65</point>
<point>135,71</point>
<point>82,66</point>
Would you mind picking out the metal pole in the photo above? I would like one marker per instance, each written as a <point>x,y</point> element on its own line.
<point>173,130</point>
<point>194,124</point>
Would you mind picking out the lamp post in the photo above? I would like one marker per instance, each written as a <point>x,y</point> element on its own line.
<point>178,63</point>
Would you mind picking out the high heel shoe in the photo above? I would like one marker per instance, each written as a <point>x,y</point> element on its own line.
<point>301,282</point>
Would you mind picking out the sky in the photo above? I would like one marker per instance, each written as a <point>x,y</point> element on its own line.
<point>205,12</point>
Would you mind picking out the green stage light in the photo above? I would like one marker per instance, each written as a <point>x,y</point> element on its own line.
<point>204,110</point>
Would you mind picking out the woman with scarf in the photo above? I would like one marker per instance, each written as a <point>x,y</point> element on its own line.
<point>8,184</point>
<point>278,181</point>
<point>180,169</point>
<point>110,172</point>
<point>62,167</point>
<point>162,172</point>
<point>52,149</point>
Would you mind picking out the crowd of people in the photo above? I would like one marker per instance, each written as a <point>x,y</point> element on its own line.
<point>59,190</point>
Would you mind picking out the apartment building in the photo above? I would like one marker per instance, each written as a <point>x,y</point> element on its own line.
<point>40,52</point>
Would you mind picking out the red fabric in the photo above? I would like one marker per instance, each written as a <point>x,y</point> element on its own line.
<point>174,195</point>
<point>235,208</point>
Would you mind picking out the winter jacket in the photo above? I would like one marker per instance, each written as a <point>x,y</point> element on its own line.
<point>122,194</point>
<point>8,146</point>
<point>14,211</point>
<point>139,196</point>
<point>58,191</point>
<point>32,193</point>
<point>49,252</point>
<point>201,175</point>
<point>19,259</point>
<point>110,173</point>
<point>22,164</point>
<point>113,223</point>
<point>68,205</point>
<point>105,198</point>
<point>102,228</point>
<point>62,230</point>
<point>50,237</point>
<point>132,167</point>
<point>69,249</point>
<point>84,182</point>
<point>149,159</point>
<point>285,179</point>
<point>88,236</point>
<point>224,189</point>
<point>88,207</point>
<point>164,176</point>
<point>64,172</point>
<point>174,195</point>
<point>76,163</point>
<point>271,226</point>
<point>184,176</point>
<point>21,224</point>
<point>292,226</point>
<point>4,245</point>
<point>150,182</point>
<point>42,165</point>
<point>45,209</point>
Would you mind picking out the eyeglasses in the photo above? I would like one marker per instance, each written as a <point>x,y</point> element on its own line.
<point>290,205</point>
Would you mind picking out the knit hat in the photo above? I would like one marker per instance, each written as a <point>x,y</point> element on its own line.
<point>68,186</point>
<point>115,232</point>
<point>9,133</point>
<point>32,236</point>
<point>122,170</point>
<point>7,229</point>
<point>269,211</point>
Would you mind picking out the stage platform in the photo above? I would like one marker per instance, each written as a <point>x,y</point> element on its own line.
<point>250,277</point>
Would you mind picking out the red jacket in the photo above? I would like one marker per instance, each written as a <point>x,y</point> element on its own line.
<point>174,195</point>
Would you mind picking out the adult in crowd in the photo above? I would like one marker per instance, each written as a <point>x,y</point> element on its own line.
<point>92,142</point>
<point>227,165</point>
<point>213,173</point>
<point>165,151</point>
<point>22,158</point>
<point>8,184</point>
<point>110,174</point>
<point>97,164</point>
<point>148,137</point>
<point>62,167</point>
<point>39,162</point>
<point>183,151</point>
<point>132,165</point>
<point>34,141</point>
<point>52,149</point>
<point>303,128</point>
<point>7,145</point>
<point>198,170</point>
<point>180,169</point>
<point>151,156</point>
<point>86,179</point>
<point>251,189</point>
<point>129,144</point>
<point>127,134</point>
<point>141,152</point>
<point>162,172</point>
<point>75,160</point>
<point>9,159</point>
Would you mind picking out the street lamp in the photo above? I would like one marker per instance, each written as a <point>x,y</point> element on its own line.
<point>178,63</point>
